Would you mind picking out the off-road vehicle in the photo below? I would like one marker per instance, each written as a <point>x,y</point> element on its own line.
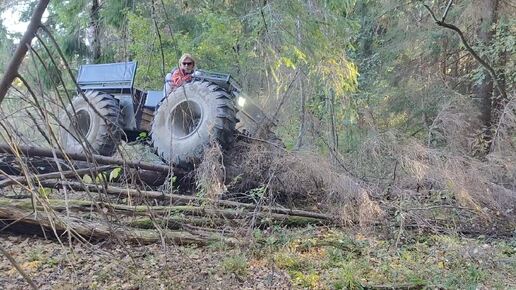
<point>180,123</point>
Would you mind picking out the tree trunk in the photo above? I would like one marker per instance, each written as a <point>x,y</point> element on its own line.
<point>183,199</point>
<point>333,138</point>
<point>302,127</point>
<point>95,31</point>
<point>484,90</point>
<point>55,223</point>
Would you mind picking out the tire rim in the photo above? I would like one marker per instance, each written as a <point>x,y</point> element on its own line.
<point>82,123</point>
<point>185,119</point>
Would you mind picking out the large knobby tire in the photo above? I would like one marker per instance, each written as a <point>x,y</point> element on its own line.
<point>191,117</point>
<point>92,124</point>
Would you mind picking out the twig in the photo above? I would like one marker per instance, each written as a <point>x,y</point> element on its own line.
<point>442,206</point>
<point>262,140</point>
<point>284,97</point>
<point>159,36</point>
<point>40,130</point>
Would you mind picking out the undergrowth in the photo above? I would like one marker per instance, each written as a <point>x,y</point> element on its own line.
<point>318,258</point>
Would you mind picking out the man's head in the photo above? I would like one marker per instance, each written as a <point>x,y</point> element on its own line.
<point>187,63</point>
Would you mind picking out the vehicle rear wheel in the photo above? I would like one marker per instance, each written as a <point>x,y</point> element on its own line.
<point>190,118</point>
<point>93,124</point>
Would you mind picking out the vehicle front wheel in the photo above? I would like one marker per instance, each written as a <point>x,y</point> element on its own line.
<point>190,118</point>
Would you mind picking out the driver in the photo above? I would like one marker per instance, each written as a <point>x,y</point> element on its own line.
<point>184,72</point>
<point>178,76</point>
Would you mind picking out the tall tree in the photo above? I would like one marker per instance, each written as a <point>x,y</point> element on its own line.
<point>94,31</point>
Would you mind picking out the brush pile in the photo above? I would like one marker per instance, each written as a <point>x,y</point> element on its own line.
<point>91,197</point>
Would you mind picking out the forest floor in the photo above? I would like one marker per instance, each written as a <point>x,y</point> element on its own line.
<point>275,258</point>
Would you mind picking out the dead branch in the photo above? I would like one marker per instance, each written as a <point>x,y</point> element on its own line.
<point>95,230</point>
<point>40,177</point>
<point>183,199</point>
<point>42,152</point>
<point>11,165</point>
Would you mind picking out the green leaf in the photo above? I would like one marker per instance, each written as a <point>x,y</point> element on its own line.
<point>115,173</point>
<point>101,177</point>
<point>87,179</point>
<point>142,136</point>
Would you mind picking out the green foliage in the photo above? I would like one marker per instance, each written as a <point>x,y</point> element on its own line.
<point>142,136</point>
<point>236,264</point>
<point>115,174</point>
<point>361,66</point>
<point>309,280</point>
<point>348,278</point>
<point>87,179</point>
<point>44,192</point>
<point>6,45</point>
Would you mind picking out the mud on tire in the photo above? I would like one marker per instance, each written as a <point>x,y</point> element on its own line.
<point>84,128</point>
<point>190,118</point>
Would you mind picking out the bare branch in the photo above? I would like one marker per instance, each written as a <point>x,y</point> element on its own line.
<point>431,13</point>
<point>482,62</point>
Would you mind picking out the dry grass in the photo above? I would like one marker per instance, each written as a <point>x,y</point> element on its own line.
<point>210,174</point>
<point>302,179</point>
<point>436,184</point>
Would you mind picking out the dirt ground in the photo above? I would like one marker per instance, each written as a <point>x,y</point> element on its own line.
<point>112,266</point>
<point>274,258</point>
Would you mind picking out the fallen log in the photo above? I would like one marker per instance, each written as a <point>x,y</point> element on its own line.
<point>179,222</point>
<point>114,209</point>
<point>95,230</point>
<point>53,175</point>
<point>11,165</point>
<point>31,151</point>
<point>183,199</point>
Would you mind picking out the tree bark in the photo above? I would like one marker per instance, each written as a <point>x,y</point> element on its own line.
<point>484,89</point>
<point>12,68</point>
<point>95,31</point>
